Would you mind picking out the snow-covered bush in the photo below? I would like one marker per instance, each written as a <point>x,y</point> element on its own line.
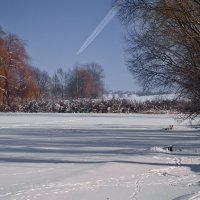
<point>96,106</point>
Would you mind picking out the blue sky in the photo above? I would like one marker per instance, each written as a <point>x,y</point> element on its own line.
<point>56,29</point>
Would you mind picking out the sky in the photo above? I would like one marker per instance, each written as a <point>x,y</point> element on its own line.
<point>55,30</point>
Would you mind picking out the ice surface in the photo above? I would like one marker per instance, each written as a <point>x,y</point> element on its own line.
<point>98,156</point>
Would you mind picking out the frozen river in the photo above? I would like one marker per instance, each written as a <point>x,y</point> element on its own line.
<point>98,156</point>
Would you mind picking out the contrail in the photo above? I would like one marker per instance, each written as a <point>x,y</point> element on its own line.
<point>99,28</point>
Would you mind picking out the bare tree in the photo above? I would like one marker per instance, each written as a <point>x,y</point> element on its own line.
<point>164,45</point>
<point>43,82</point>
<point>59,84</point>
<point>55,86</point>
<point>61,78</point>
<point>85,81</point>
<point>97,73</point>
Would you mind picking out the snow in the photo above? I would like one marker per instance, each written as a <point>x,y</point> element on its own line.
<point>141,98</point>
<point>98,156</point>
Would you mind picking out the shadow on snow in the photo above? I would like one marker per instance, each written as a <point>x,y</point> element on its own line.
<point>23,145</point>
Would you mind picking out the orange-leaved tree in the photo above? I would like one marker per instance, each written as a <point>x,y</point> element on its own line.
<point>16,80</point>
<point>85,81</point>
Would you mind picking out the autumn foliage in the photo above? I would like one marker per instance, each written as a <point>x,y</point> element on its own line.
<point>20,82</point>
<point>16,82</point>
<point>85,81</point>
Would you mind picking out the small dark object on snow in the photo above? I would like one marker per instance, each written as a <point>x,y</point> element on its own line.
<point>170,148</point>
<point>169,128</point>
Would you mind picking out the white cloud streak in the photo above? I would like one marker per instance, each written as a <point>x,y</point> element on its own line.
<point>99,29</point>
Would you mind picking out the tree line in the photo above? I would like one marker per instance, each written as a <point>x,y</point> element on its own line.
<point>20,82</point>
<point>83,81</point>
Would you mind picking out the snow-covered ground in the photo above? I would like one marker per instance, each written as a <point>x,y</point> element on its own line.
<point>98,157</point>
